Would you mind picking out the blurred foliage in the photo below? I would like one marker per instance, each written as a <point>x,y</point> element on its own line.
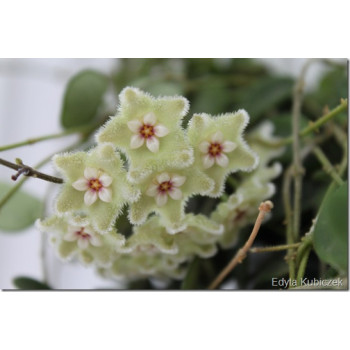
<point>27,283</point>
<point>83,97</point>
<point>331,234</point>
<point>20,212</point>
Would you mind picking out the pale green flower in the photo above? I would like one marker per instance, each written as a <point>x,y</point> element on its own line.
<point>264,143</point>
<point>152,252</point>
<point>198,230</point>
<point>150,238</point>
<point>138,265</point>
<point>74,237</point>
<point>219,148</point>
<point>166,194</point>
<point>95,183</point>
<point>149,132</point>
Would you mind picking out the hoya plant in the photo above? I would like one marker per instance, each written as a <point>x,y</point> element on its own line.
<point>172,183</point>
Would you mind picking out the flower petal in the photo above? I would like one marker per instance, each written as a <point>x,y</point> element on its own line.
<point>204,146</point>
<point>81,184</point>
<point>105,194</point>
<point>95,241</point>
<point>175,193</point>
<point>161,130</point>
<point>150,119</point>
<point>90,173</point>
<point>89,230</point>
<point>178,180</point>
<point>70,236</point>
<point>134,126</point>
<point>163,177</point>
<point>208,161</point>
<point>153,144</point>
<point>161,199</point>
<point>136,141</point>
<point>217,137</point>
<point>222,160</point>
<point>228,146</point>
<point>83,243</point>
<point>90,197</point>
<point>105,180</point>
<point>152,190</point>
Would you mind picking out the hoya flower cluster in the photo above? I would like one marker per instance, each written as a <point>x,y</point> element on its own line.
<point>146,164</point>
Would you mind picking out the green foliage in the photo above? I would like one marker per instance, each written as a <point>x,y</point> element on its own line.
<point>331,230</point>
<point>333,86</point>
<point>83,98</point>
<point>212,98</point>
<point>20,211</point>
<point>27,283</point>
<point>265,95</point>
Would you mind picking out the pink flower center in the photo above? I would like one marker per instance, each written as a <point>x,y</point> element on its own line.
<point>95,184</point>
<point>82,234</point>
<point>165,187</point>
<point>215,149</point>
<point>147,131</point>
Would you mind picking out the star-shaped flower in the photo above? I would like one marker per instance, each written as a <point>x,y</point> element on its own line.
<point>156,253</point>
<point>73,236</point>
<point>166,193</point>
<point>165,185</point>
<point>95,183</point>
<point>219,147</point>
<point>214,150</point>
<point>149,132</point>
<point>198,238</point>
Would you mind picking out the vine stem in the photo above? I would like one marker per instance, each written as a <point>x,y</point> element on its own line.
<point>26,170</point>
<point>327,165</point>
<point>264,208</point>
<point>287,179</point>
<point>76,130</point>
<point>303,264</point>
<point>297,164</point>
<point>275,248</point>
<point>319,122</point>
<point>19,184</point>
<point>286,195</point>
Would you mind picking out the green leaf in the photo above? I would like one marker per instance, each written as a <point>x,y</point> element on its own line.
<point>331,229</point>
<point>28,283</point>
<point>20,211</point>
<point>333,86</point>
<point>83,97</point>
